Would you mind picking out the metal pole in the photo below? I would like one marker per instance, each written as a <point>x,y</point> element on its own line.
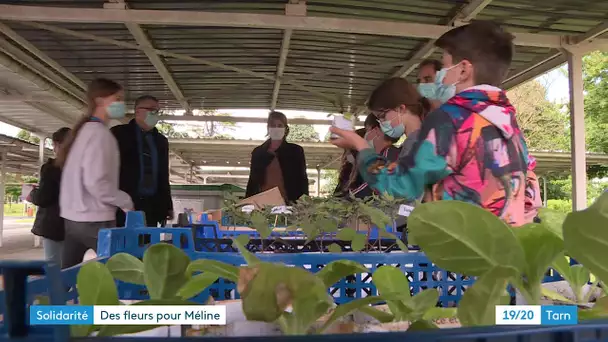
<point>545,191</point>
<point>577,130</point>
<point>2,179</point>
<point>318,180</point>
<point>41,146</point>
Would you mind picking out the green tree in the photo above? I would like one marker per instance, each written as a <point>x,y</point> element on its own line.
<point>595,79</point>
<point>330,179</point>
<point>169,131</point>
<point>302,133</point>
<point>27,136</point>
<point>544,124</point>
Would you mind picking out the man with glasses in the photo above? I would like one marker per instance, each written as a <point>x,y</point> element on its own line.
<point>144,164</point>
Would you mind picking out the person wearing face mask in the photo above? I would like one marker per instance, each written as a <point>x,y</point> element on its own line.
<point>144,164</point>
<point>278,164</point>
<point>48,224</point>
<point>427,73</point>
<point>89,159</point>
<point>471,147</point>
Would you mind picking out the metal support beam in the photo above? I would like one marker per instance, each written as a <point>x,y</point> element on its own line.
<point>281,67</point>
<point>144,41</point>
<point>179,56</point>
<point>41,55</point>
<point>577,130</point>
<point>2,193</point>
<point>465,14</point>
<point>318,180</point>
<point>241,119</point>
<point>41,151</point>
<point>538,67</point>
<point>247,20</point>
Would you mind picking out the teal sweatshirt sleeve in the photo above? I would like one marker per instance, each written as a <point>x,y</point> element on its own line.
<point>426,164</point>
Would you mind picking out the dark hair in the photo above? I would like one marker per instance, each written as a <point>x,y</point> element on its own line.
<point>100,87</point>
<point>144,98</point>
<point>61,135</point>
<point>485,45</point>
<point>372,121</point>
<point>395,92</point>
<point>437,65</point>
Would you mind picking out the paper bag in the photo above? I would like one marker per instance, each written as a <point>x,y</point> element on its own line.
<point>270,197</point>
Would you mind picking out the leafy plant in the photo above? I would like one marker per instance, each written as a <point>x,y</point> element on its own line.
<point>467,239</point>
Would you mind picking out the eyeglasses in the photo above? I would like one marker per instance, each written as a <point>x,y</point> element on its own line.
<point>380,114</point>
<point>154,110</point>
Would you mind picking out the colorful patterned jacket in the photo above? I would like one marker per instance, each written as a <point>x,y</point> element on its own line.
<point>471,149</point>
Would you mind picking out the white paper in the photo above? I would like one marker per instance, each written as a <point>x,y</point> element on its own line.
<point>248,208</point>
<point>281,210</point>
<point>341,122</point>
<point>26,189</point>
<point>405,210</point>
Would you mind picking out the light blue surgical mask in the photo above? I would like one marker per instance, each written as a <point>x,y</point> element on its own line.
<point>444,92</point>
<point>393,132</point>
<point>116,110</point>
<point>428,90</point>
<point>151,119</point>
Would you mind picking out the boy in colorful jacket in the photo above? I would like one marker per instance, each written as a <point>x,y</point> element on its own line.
<point>471,147</point>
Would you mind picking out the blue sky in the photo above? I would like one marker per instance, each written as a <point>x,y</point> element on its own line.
<point>555,81</point>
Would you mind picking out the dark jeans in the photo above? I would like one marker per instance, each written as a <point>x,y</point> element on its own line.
<point>79,238</point>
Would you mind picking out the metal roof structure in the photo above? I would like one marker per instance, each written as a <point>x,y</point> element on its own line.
<point>284,54</point>
<point>316,55</point>
<point>22,157</point>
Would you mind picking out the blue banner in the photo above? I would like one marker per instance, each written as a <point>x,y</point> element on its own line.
<point>61,315</point>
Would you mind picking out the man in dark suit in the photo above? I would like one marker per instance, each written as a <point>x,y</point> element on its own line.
<point>144,164</point>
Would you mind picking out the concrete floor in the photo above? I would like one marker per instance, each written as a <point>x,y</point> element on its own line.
<point>18,241</point>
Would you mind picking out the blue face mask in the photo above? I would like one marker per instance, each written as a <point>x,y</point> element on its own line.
<point>393,132</point>
<point>116,110</point>
<point>444,92</point>
<point>428,90</point>
<point>151,119</point>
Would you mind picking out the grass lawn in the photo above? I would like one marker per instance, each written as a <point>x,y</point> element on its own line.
<point>14,209</point>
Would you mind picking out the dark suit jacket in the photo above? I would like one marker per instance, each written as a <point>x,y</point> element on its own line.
<point>48,223</point>
<point>293,166</point>
<point>158,206</point>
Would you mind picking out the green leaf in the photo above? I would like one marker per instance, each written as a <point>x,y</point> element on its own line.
<point>113,330</point>
<point>464,238</point>
<point>377,216</point>
<point>260,223</point>
<point>553,220</point>
<point>478,304</point>
<point>165,270</point>
<point>338,269</point>
<point>334,248</point>
<point>562,266</point>
<point>392,284</point>
<point>358,242</point>
<point>580,276</point>
<point>541,247</point>
<point>308,309</point>
<point>440,313</point>
<point>422,325</point>
<point>96,285</point>
<point>599,310</point>
<point>196,285</point>
<point>422,302</point>
<point>545,292</point>
<point>348,308</point>
<point>272,287</point>
<point>221,269</point>
<point>127,268</point>
<point>240,242</point>
<point>346,234</point>
<point>586,237</point>
<point>379,315</point>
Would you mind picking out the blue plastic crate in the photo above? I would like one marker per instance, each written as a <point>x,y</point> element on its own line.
<point>16,327</point>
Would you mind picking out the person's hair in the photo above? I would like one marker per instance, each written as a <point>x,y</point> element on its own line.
<point>61,135</point>
<point>371,121</point>
<point>100,87</point>
<point>274,115</point>
<point>485,45</point>
<point>437,65</point>
<point>144,98</point>
<point>395,92</point>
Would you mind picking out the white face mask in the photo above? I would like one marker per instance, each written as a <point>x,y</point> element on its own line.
<point>276,133</point>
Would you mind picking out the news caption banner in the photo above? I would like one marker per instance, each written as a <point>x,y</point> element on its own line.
<point>536,314</point>
<point>127,315</point>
